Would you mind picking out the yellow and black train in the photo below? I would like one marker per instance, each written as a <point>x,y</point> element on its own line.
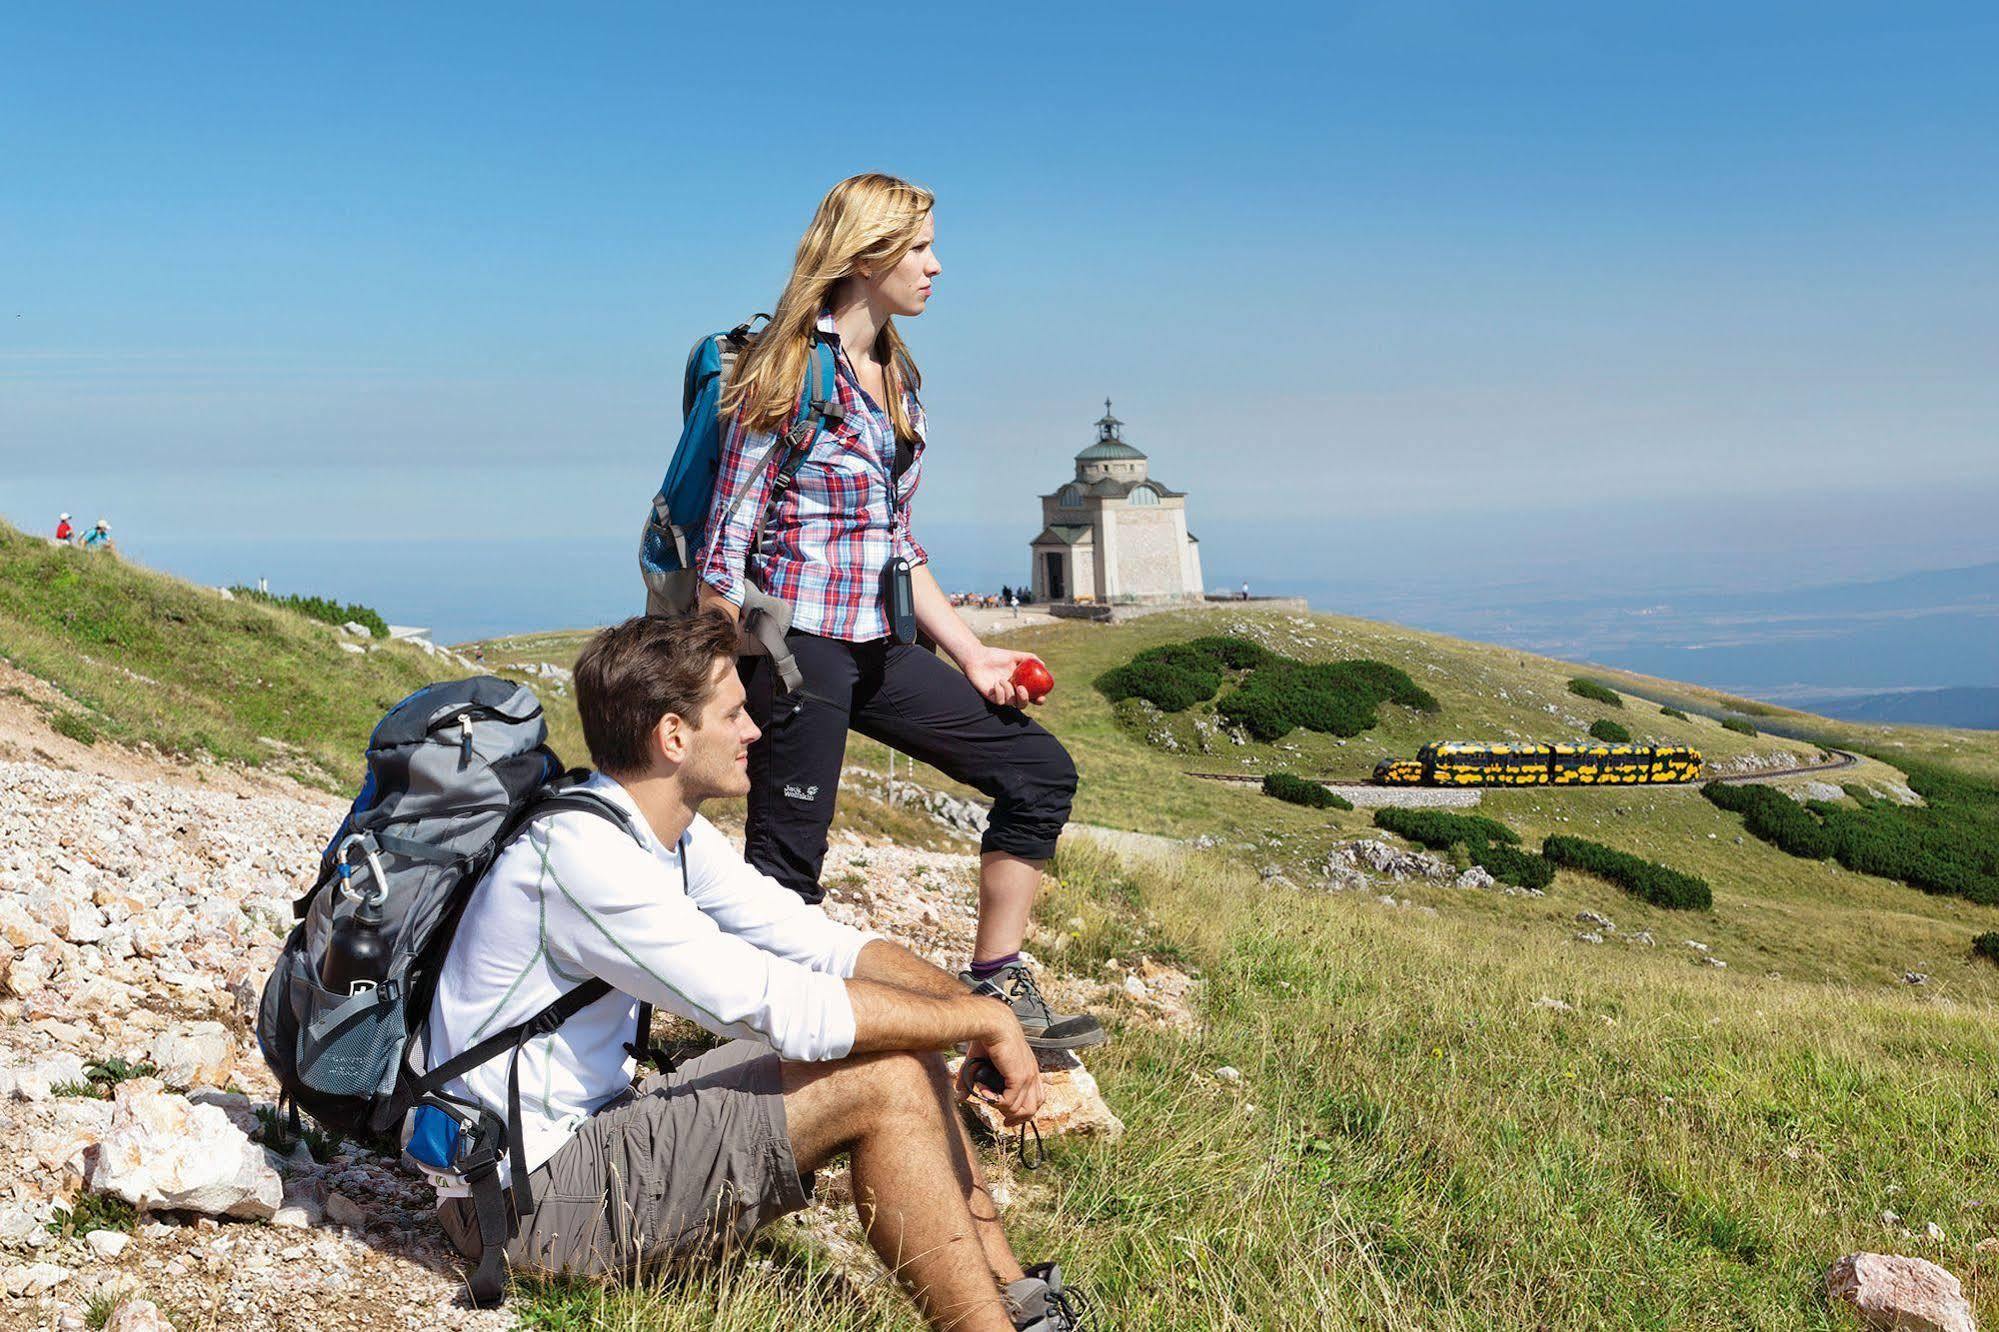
<point>1483,763</point>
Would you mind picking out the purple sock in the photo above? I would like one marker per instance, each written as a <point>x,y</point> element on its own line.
<point>986,970</point>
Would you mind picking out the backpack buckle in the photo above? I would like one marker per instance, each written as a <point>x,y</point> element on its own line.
<point>479,1147</point>
<point>544,1024</point>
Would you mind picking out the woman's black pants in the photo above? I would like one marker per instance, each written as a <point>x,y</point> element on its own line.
<point>909,699</point>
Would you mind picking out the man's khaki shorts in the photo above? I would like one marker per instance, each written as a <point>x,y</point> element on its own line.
<point>698,1159</point>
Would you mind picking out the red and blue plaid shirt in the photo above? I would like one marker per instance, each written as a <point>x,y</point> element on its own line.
<point>836,526</point>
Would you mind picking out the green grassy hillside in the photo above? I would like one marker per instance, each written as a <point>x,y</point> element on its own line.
<point>1809,920</point>
<point>141,658</point>
<point>1459,1117</point>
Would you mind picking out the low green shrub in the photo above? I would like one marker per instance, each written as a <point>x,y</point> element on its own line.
<point>97,1313</point>
<point>102,1076</point>
<point>1653,882</point>
<point>1590,689</point>
<point>320,608</point>
<point>1775,818</point>
<point>1436,829</point>
<point>1277,695</point>
<point>1172,678</point>
<point>1948,845</point>
<point>1986,945</point>
<point>1489,843</point>
<point>1300,791</point>
<point>1237,654</point>
<point>1738,725</point>
<point>1333,698</point>
<point>1610,731</point>
<point>75,726</point>
<point>110,1072</point>
<point>1509,864</point>
<point>273,1132</point>
<point>1670,711</point>
<point>94,1211</point>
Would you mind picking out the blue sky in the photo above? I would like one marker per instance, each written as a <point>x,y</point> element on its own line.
<point>338,293</point>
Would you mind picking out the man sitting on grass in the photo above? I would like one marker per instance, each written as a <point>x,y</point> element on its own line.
<point>835,1033</point>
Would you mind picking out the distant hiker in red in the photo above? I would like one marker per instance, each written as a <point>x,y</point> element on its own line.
<point>64,532</point>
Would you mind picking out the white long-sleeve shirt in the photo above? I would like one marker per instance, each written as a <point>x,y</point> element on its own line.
<point>576,897</point>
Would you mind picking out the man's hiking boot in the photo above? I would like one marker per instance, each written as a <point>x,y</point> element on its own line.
<point>1046,1030</point>
<point>1039,1302</point>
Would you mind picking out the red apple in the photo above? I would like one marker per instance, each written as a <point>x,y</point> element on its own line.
<point>1032,676</point>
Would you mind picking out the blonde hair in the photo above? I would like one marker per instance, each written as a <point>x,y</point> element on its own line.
<point>869,220</point>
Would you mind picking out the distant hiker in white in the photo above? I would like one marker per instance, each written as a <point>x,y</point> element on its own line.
<point>833,1034</point>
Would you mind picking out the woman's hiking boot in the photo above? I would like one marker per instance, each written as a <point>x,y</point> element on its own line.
<point>1045,1029</point>
<point>1039,1302</point>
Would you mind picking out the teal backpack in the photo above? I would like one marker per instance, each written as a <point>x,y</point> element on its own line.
<point>682,510</point>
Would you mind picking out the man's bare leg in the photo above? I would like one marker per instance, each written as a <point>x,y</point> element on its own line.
<point>893,1113</point>
<point>972,1180</point>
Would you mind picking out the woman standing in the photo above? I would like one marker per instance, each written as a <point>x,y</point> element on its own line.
<point>834,531</point>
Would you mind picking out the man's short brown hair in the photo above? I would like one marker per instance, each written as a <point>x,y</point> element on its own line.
<point>632,674</point>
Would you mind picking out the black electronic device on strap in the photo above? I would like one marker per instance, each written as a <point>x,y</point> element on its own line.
<point>899,600</point>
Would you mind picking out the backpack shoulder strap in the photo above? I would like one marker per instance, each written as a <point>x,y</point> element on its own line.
<point>818,400</point>
<point>565,794</point>
<point>640,1047</point>
<point>498,1221</point>
<point>569,1004</point>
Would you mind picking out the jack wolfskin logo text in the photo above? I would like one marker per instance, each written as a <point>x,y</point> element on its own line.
<point>798,793</point>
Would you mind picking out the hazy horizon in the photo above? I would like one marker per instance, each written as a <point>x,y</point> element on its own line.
<point>1814,642</point>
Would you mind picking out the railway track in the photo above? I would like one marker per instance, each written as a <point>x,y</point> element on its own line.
<point>1841,759</point>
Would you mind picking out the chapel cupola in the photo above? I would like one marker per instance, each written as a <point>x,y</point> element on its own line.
<point>1110,457</point>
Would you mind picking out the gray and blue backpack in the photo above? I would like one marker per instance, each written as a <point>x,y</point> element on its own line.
<point>454,772</point>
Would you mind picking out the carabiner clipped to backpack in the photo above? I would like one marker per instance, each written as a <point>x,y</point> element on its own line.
<point>374,862</point>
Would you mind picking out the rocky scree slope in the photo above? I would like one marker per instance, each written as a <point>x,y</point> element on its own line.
<point>138,918</point>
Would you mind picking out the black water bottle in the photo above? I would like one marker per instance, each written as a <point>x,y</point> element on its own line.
<point>357,956</point>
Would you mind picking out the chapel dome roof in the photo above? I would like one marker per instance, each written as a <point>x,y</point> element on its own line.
<point>1110,445</point>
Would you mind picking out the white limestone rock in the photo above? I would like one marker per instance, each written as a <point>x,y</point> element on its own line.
<point>342,1210</point>
<point>138,1315</point>
<point>202,1055</point>
<point>104,1245</point>
<point>22,1227</point>
<point>32,968</point>
<point>1071,1103</point>
<point>163,1152</point>
<point>32,1279</point>
<point>1891,1291</point>
<point>1380,857</point>
<point>82,923</point>
<point>37,1079</point>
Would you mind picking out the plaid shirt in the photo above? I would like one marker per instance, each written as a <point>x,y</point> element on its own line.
<point>834,529</point>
